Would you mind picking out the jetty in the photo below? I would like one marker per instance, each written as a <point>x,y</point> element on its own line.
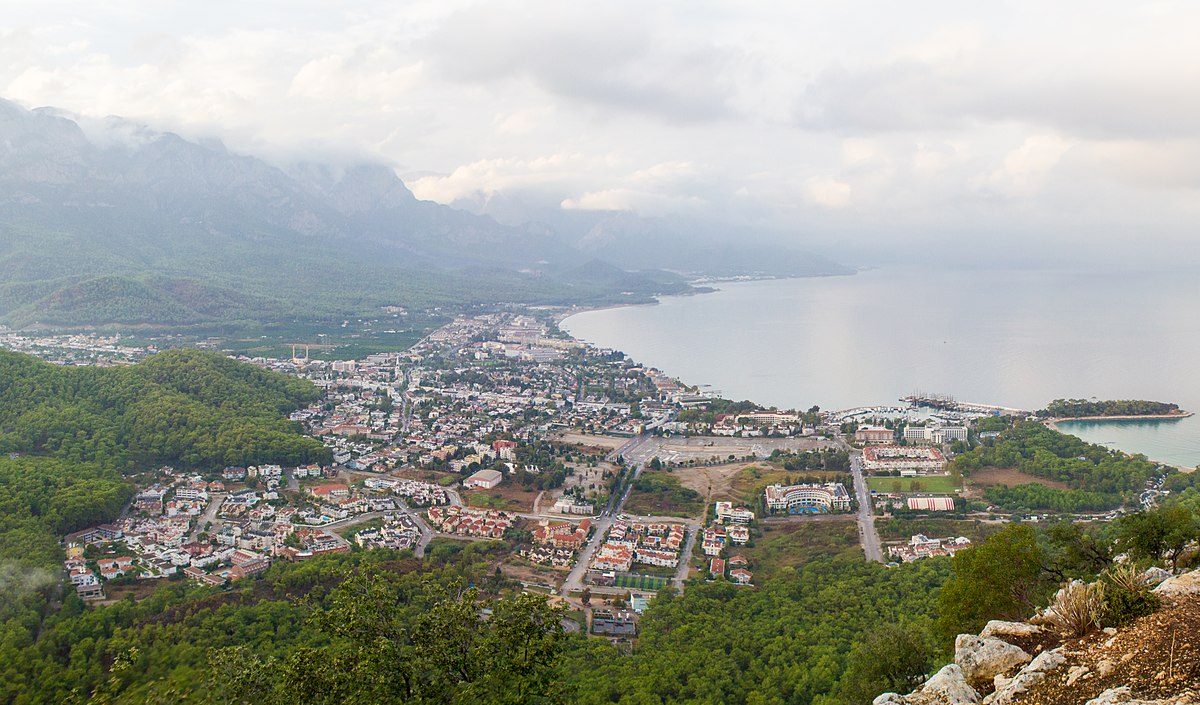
<point>949,403</point>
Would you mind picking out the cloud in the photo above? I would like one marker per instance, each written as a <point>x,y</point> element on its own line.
<point>1025,169</point>
<point>626,199</point>
<point>602,54</point>
<point>873,122</point>
<point>827,192</point>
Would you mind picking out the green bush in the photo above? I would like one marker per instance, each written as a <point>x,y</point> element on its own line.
<point>1126,596</point>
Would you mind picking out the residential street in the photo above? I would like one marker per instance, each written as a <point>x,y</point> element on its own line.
<point>209,515</point>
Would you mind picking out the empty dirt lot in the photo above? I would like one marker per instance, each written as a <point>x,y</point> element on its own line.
<point>1009,477</point>
<point>714,482</point>
<point>719,448</point>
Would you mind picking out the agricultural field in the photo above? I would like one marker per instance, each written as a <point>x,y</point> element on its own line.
<point>660,493</point>
<point>1009,477</point>
<point>717,482</point>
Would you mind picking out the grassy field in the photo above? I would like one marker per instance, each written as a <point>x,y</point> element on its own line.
<point>507,497</point>
<point>903,529</point>
<point>930,483</point>
<point>640,582</point>
<point>659,493</point>
<point>748,485</point>
<point>797,543</point>
<point>1010,477</point>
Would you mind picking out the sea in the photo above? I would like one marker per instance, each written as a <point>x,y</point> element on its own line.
<point>1014,338</point>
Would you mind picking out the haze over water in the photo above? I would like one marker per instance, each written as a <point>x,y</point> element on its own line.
<point>1013,338</point>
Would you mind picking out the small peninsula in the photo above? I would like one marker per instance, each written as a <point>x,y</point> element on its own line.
<point>1113,409</point>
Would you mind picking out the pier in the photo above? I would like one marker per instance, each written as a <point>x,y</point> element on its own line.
<point>948,403</point>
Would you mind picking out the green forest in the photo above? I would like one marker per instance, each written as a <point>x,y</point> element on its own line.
<point>383,627</point>
<point>70,436</point>
<point>1097,478</point>
<point>182,407</point>
<point>1069,408</point>
<point>365,628</point>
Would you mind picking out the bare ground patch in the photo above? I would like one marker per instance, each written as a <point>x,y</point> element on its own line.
<point>587,443</point>
<point>1008,477</point>
<point>1155,657</point>
<point>715,482</point>
<point>508,497</point>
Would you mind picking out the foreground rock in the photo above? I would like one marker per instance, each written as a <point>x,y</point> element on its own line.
<point>946,687</point>
<point>1180,585</point>
<point>982,658</point>
<point>1026,678</point>
<point>1123,696</point>
<point>1154,660</point>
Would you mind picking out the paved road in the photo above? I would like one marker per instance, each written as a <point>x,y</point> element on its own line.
<point>685,557</point>
<point>866,516</point>
<point>210,513</point>
<point>574,579</point>
<point>426,532</point>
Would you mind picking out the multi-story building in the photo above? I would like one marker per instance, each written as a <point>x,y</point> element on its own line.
<point>727,513</point>
<point>935,435</point>
<point>798,498</point>
<point>869,435</point>
<point>905,459</point>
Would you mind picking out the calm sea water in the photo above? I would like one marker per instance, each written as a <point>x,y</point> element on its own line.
<point>1013,338</point>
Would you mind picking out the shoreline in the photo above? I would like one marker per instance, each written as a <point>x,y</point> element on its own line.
<point>1052,424</point>
<point>701,286</point>
<point>1181,414</point>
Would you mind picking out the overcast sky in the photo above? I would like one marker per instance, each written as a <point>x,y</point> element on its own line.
<point>886,124</point>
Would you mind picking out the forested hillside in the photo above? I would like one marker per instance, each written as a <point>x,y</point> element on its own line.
<point>186,408</point>
<point>162,231</point>
<point>1069,408</point>
<point>68,436</point>
<point>791,640</point>
<point>1098,478</point>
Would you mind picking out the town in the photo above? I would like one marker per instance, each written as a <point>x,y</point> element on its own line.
<point>499,428</point>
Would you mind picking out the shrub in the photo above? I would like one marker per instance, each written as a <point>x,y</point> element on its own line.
<point>1126,596</point>
<point>1077,609</point>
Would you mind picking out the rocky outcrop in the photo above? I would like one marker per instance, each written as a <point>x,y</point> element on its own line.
<point>946,687</point>
<point>1027,677</point>
<point>1180,585</point>
<point>1010,630</point>
<point>1152,660</point>
<point>1123,696</point>
<point>982,658</point>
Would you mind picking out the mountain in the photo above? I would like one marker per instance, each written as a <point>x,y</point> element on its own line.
<point>110,222</point>
<point>685,244</point>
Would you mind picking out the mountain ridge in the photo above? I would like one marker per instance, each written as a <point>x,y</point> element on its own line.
<point>122,224</point>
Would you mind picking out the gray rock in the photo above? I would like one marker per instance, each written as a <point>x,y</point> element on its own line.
<point>1033,673</point>
<point>946,687</point>
<point>999,630</point>
<point>1155,575</point>
<point>1180,585</point>
<point>889,699</point>
<point>983,658</point>
<point>1074,673</point>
